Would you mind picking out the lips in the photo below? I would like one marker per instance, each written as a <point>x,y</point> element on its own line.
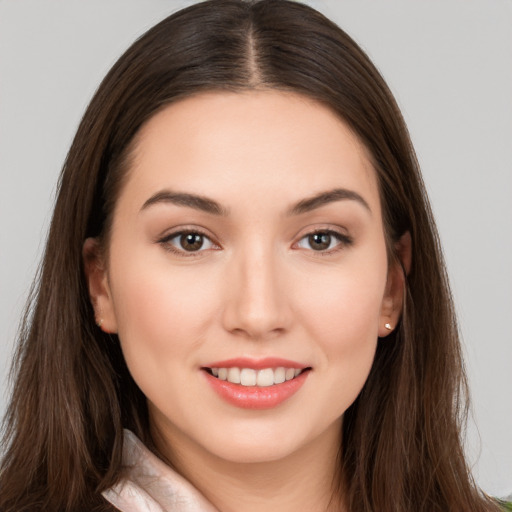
<point>256,384</point>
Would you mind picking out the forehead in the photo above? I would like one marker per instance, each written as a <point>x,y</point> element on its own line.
<point>227,144</point>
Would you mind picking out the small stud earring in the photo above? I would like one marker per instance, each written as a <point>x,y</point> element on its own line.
<point>388,326</point>
<point>99,323</point>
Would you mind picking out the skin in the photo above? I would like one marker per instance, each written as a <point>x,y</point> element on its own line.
<point>257,288</point>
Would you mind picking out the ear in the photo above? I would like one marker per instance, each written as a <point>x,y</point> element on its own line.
<point>393,299</point>
<point>99,288</point>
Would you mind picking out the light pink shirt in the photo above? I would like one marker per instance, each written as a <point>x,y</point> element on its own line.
<point>150,485</point>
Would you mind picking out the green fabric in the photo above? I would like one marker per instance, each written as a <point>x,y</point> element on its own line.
<point>507,505</point>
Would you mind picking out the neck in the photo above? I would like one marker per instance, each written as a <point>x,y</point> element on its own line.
<point>302,480</point>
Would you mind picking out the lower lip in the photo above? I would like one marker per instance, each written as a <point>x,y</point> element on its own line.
<point>254,397</point>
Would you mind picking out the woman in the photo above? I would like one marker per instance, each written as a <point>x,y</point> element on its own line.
<point>247,285</point>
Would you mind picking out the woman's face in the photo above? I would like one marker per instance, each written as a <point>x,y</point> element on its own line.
<point>247,244</point>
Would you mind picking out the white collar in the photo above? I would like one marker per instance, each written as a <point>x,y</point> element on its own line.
<point>150,485</point>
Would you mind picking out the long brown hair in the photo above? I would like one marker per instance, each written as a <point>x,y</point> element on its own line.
<point>73,394</point>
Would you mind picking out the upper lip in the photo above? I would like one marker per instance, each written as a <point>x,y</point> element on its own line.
<point>256,364</point>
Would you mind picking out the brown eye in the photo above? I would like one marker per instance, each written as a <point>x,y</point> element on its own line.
<point>324,241</point>
<point>191,241</point>
<point>319,241</point>
<point>187,242</point>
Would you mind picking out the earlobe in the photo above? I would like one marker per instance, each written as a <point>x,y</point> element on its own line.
<point>389,313</point>
<point>99,289</point>
<point>392,303</point>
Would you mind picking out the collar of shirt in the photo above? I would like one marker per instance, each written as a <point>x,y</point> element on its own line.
<point>150,485</point>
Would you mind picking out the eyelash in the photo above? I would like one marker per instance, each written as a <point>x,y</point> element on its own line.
<point>342,239</point>
<point>166,242</point>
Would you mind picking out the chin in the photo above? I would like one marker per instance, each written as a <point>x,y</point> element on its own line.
<point>269,441</point>
<point>241,451</point>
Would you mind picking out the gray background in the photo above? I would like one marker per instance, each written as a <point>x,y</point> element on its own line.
<point>449,62</point>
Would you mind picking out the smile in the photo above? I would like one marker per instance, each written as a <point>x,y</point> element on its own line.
<point>261,378</point>
<point>256,384</point>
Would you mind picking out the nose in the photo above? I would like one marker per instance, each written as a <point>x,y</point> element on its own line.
<point>257,300</point>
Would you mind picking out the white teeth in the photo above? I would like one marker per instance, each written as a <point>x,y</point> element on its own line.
<point>265,377</point>
<point>261,378</point>
<point>248,377</point>
<point>234,375</point>
<point>279,375</point>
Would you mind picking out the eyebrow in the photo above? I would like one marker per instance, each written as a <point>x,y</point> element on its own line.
<point>184,199</point>
<point>210,206</point>
<point>323,198</point>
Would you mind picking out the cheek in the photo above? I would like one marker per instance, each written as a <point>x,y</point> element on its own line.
<point>162,316</point>
<point>341,312</point>
<point>344,304</point>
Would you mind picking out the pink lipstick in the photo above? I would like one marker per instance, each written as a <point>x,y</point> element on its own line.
<point>256,383</point>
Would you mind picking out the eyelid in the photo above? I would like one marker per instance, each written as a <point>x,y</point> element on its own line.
<point>344,240</point>
<point>165,239</point>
